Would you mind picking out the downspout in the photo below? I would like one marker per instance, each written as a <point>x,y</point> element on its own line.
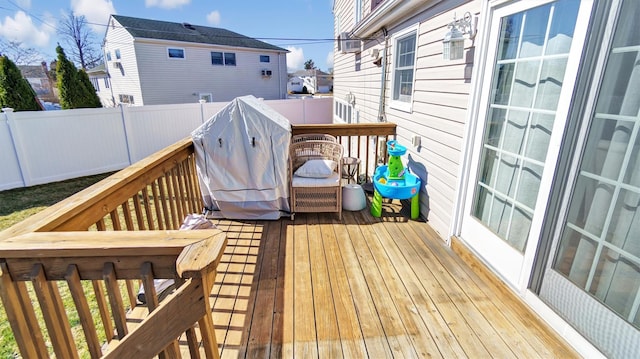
<point>280,95</point>
<point>383,78</point>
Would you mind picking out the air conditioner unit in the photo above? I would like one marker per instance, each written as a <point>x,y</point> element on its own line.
<point>349,45</point>
<point>116,64</point>
<point>266,72</point>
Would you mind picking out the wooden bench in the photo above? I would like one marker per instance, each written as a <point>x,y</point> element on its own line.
<point>46,258</point>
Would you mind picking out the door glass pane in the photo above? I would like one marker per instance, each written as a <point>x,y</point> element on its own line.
<point>561,32</point>
<point>524,97</point>
<point>550,85</point>
<point>599,249</point>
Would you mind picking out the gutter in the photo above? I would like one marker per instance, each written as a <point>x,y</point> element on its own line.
<point>389,12</point>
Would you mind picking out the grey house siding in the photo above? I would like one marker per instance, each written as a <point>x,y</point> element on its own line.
<point>439,104</point>
<point>165,80</point>
<point>151,77</point>
<point>124,80</point>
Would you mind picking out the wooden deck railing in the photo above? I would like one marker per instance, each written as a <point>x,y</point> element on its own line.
<point>365,141</point>
<point>122,231</point>
<point>189,257</point>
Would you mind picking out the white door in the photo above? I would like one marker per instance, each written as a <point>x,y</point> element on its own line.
<point>592,278</point>
<point>533,53</point>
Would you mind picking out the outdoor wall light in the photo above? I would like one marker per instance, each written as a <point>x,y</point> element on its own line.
<point>459,29</point>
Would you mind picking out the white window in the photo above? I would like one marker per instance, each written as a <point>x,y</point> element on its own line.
<point>117,54</point>
<point>265,58</point>
<point>94,82</point>
<point>126,99</point>
<point>405,45</point>
<point>344,112</point>
<point>175,53</point>
<point>207,97</point>
<point>223,58</point>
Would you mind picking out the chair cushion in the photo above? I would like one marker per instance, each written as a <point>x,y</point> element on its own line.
<point>331,181</point>
<point>316,169</point>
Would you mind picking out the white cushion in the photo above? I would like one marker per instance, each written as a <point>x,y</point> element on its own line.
<point>331,181</point>
<point>316,169</point>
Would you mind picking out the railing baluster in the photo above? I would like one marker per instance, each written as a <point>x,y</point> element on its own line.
<point>82,307</point>
<point>21,316</point>
<point>100,225</point>
<point>158,203</point>
<point>183,198</point>
<point>147,208</point>
<point>209,341</point>
<point>115,299</point>
<point>138,210</point>
<point>115,220</point>
<point>163,201</point>
<point>128,219</point>
<point>131,293</point>
<point>178,196</point>
<point>173,349</point>
<point>193,176</point>
<point>190,191</point>
<point>54,314</point>
<point>102,308</point>
<point>168,180</point>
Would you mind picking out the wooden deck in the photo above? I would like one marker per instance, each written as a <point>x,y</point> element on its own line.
<point>363,287</point>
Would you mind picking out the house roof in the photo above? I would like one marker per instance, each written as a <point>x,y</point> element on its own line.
<point>32,71</point>
<point>164,30</point>
<point>100,69</point>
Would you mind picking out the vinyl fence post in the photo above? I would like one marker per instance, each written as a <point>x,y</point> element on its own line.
<point>126,136</point>
<point>8,114</point>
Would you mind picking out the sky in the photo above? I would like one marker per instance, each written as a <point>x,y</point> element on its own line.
<point>304,27</point>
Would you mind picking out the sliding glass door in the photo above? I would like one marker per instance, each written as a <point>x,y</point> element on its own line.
<point>534,47</point>
<point>593,276</point>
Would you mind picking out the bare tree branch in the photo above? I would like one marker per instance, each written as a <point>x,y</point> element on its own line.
<point>81,42</point>
<point>19,54</point>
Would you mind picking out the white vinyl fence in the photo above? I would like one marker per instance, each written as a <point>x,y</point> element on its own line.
<point>48,146</point>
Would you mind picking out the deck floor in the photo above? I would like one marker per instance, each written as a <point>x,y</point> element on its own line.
<point>364,287</point>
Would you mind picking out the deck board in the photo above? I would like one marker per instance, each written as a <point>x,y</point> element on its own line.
<point>362,287</point>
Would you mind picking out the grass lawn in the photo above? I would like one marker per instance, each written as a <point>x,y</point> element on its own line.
<point>18,204</point>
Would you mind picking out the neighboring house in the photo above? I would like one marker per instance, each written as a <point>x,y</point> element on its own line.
<point>100,80</point>
<point>529,142</point>
<point>157,62</point>
<point>40,81</point>
<point>310,81</point>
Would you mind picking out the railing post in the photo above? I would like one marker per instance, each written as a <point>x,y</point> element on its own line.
<point>21,316</point>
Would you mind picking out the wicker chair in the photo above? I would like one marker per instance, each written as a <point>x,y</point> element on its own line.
<point>315,194</point>
<point>313,137</point>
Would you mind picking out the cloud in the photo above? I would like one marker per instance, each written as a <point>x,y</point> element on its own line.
<point>21,28</point>
<point>330,59</point>
<point>295,58</point>
<point>213,18</point>
<point>166,4</point>
<point>95,12</point>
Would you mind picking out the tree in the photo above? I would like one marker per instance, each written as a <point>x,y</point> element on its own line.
<point>15,91</point>
<point>309,65</point>
<point>19,54</point>
<point>75,32</point>
<point>74,93</point>
<point>91,97</point>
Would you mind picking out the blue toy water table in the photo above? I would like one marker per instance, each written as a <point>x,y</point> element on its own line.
<point>394,181</point>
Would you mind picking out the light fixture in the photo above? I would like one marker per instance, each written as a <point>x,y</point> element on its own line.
<point>459,29</point>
